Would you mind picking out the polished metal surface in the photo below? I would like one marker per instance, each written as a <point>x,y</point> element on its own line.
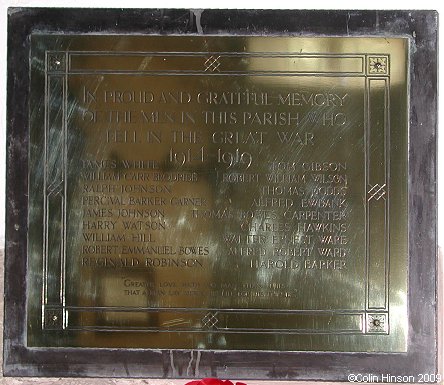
<point>218,193</point>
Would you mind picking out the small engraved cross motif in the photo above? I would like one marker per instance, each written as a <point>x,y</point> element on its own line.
<point>55,188</point>
<point>212,64</point>
<point>210,320</point>
<point>377,65</point>
<point>377,323</point>
<point>56,62</point>
<point>377,192</point>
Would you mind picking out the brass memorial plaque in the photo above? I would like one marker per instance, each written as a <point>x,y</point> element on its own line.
<point>232,193</point>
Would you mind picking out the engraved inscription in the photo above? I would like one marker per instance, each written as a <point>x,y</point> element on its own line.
<point>147,205</point>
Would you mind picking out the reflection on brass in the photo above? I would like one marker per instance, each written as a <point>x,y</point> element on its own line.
<point>218,193</point>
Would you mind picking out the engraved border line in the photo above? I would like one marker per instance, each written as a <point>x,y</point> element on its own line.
<point>68,71</point>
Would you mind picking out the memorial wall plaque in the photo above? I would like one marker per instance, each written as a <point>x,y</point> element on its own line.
<point>229,204</point>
